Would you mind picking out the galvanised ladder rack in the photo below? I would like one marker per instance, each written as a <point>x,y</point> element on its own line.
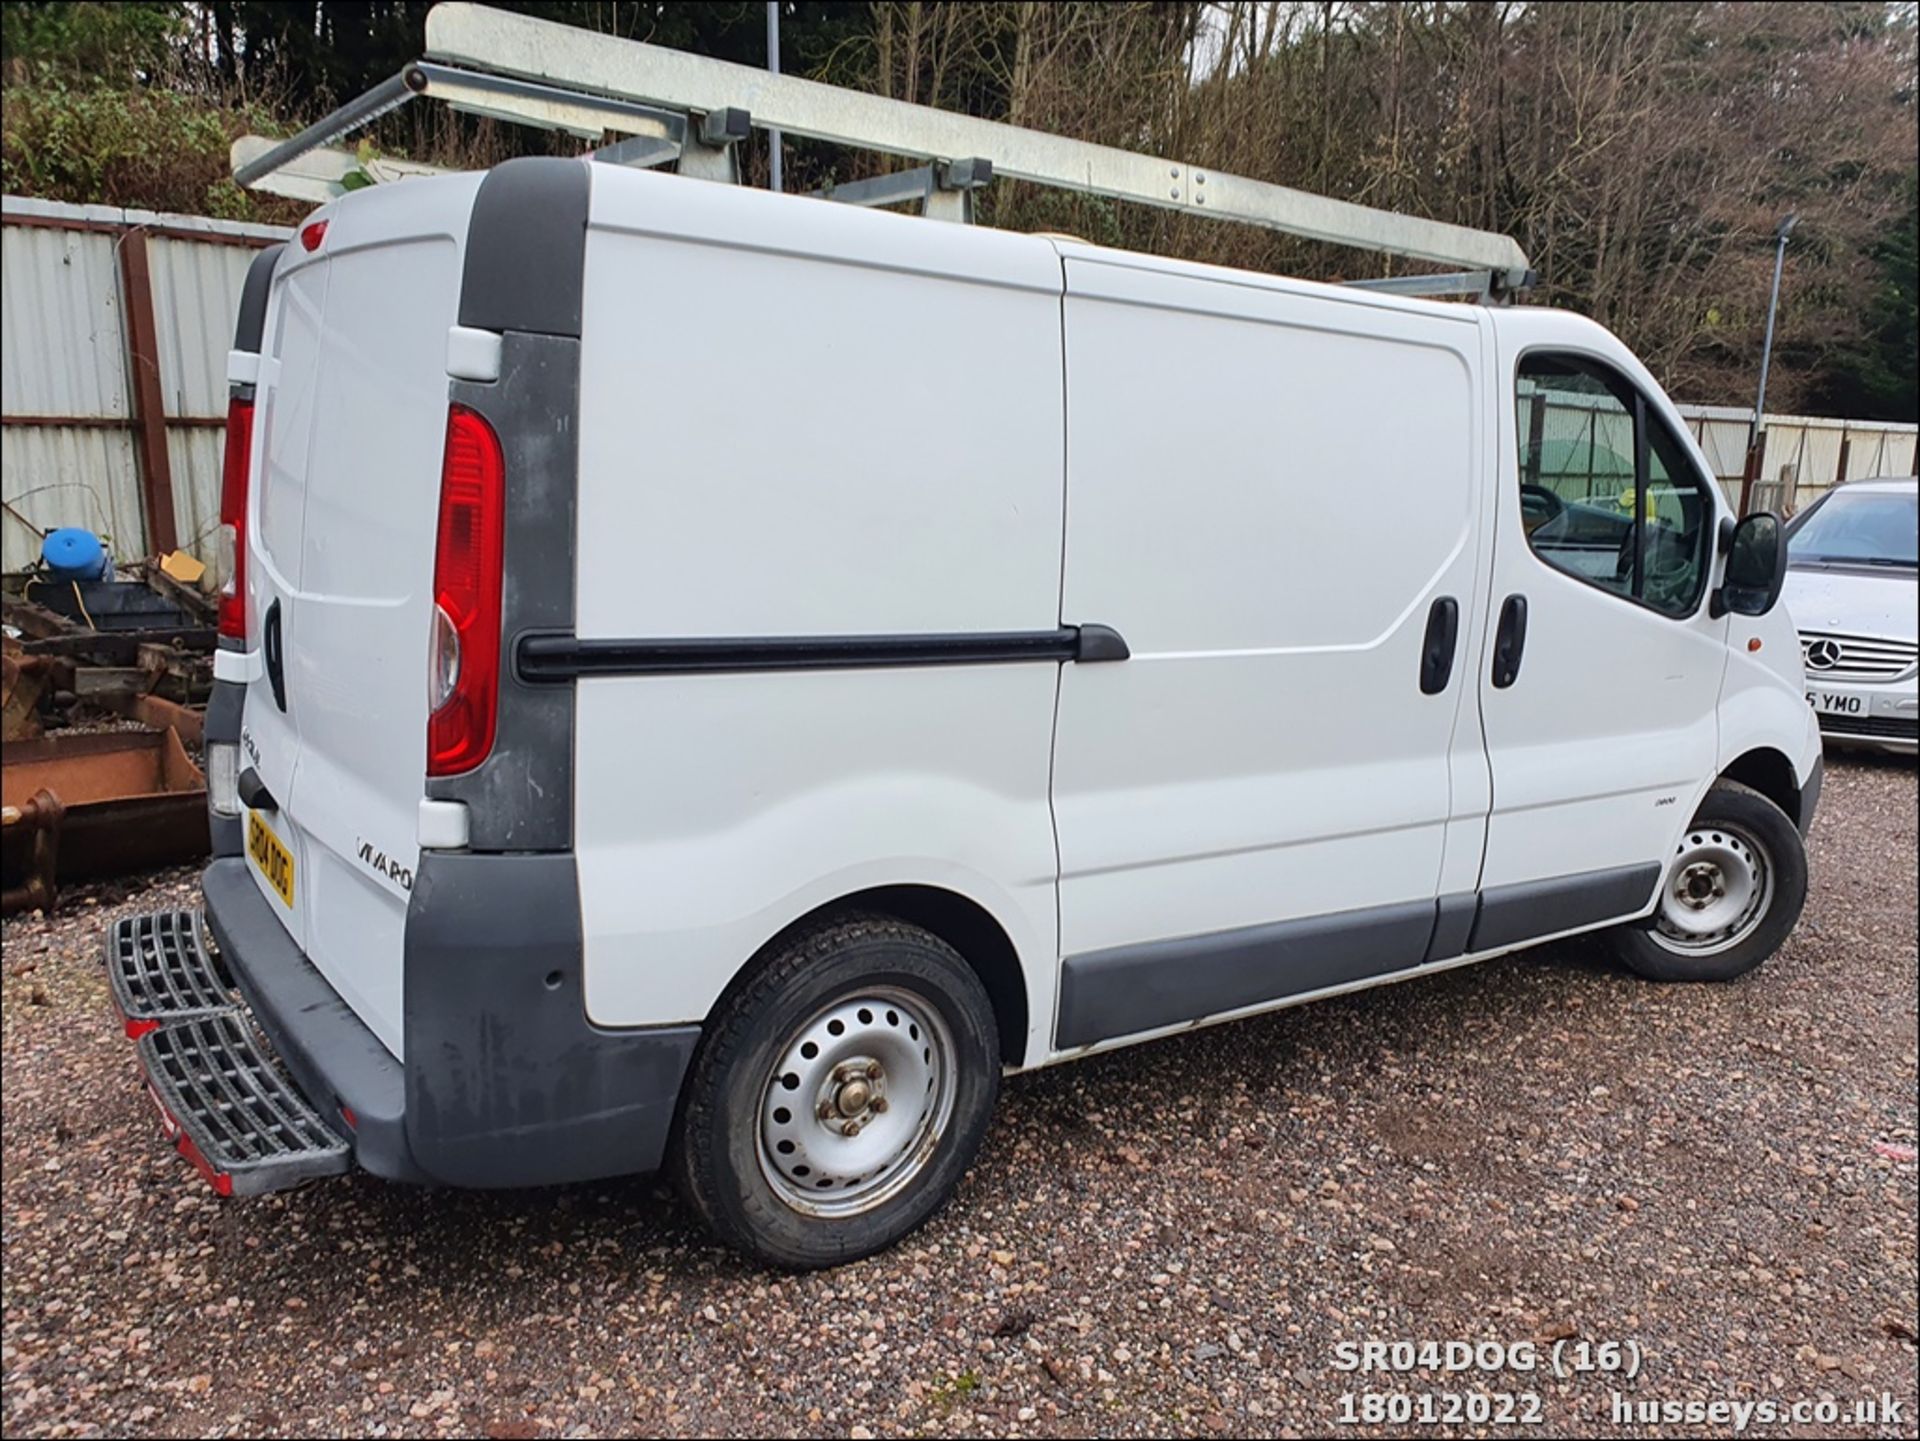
<point>668,106</point>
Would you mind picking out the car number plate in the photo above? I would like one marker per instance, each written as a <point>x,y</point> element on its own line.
<point>273,859</point>
<point>1829,704</point>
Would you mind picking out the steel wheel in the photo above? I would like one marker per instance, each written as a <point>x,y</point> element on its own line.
<point>1717,891</point>
<point>856,1103</point>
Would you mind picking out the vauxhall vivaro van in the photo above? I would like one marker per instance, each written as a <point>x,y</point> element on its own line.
<point>717,679</point>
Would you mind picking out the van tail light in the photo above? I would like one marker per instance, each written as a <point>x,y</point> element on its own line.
<point>464,678</point>
<point>233,517</point>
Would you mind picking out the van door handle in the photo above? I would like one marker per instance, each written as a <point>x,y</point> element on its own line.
<point>1436,652</point>
<point>1510,641</point>
<point>270,643</point>
<point>254,794</point>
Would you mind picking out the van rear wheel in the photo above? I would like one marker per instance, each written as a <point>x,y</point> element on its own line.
<point>839,1095</point>
<point>1734,888</point>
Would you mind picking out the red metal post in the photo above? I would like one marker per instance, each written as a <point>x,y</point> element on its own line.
<point>149,406</point>
<point>1756,446</point>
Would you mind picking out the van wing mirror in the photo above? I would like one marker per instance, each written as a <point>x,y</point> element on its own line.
<point>1756,567</point>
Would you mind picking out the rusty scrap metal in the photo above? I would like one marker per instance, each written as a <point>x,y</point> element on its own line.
<point>38,818</point>
<point>130,801</point>
<point>22,680</point>
<point>160,713</point>
<point>35,622</point>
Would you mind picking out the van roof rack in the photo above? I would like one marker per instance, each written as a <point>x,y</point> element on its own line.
<point>666,106</point>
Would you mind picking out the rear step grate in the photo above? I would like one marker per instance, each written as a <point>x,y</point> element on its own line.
<point>161,968</point>
<point>229,1111</point>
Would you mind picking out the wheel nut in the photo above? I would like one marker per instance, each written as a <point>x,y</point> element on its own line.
<point>879,1103</point>
<point>873,1070</point>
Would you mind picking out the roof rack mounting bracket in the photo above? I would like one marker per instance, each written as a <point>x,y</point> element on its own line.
<point>1497,286</point>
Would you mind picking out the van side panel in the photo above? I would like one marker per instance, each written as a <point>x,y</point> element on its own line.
<point>1269,520</point>
<point>802,422</point>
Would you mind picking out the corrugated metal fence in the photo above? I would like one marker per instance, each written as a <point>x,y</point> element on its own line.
<point>114,338</point>
<point>114,332</point>
<point>1803,455</point>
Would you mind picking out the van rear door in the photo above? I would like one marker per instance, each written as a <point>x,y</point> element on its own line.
<point>346,757</point>
<point>270,733</point>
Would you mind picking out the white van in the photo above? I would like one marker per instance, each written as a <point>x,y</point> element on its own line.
<point>721,678</point>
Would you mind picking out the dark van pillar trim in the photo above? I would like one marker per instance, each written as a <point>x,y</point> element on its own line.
<point>526,248</point>
<point>525,277</point>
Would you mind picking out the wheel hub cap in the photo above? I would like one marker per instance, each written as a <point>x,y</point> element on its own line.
<point>1717,893</point>
<point>858,1097</point>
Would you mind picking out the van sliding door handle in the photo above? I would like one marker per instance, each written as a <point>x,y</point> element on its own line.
<point>1510,641</point>
<point>1436,651</point>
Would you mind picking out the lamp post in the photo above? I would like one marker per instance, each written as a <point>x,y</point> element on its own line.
<point>773,68</point>
<point>1780,234</point>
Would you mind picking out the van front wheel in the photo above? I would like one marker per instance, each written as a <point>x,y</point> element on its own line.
<point>839,1095</point>
<point>1733,890</point>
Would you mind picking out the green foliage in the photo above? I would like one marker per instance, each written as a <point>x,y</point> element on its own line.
<point>101,43</point>
<point>151,148</point>
<point>1871,375</point>
<point>1642,153</point>
<point>98,110</point>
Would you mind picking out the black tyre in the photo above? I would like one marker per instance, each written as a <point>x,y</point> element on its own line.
<point>1733,891</point>
<point>839,1095</point>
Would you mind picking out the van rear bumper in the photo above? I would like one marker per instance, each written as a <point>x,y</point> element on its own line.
<point>338,1063</point>
<point>507,1083</point>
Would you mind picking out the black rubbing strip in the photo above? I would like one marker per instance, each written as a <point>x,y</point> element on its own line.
<point>1529,910</point>
<point>562,657</point>
<point>1453,925</point>
<point>1129,989</point>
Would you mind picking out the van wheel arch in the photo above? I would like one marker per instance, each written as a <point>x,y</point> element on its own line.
<point>958,920</point>
<point>1769,772</point>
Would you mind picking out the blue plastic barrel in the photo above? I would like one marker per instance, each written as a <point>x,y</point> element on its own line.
<point>72,553</point>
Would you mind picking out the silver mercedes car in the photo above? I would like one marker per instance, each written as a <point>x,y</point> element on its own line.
<point>1853,588</point>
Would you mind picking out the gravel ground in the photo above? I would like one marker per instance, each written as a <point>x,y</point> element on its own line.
<point>1168,1239</point>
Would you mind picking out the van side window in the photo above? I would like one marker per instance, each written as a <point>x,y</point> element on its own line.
<point>1606,492</point>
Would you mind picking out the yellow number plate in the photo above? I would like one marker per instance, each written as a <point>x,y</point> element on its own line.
<point>274,860</point>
